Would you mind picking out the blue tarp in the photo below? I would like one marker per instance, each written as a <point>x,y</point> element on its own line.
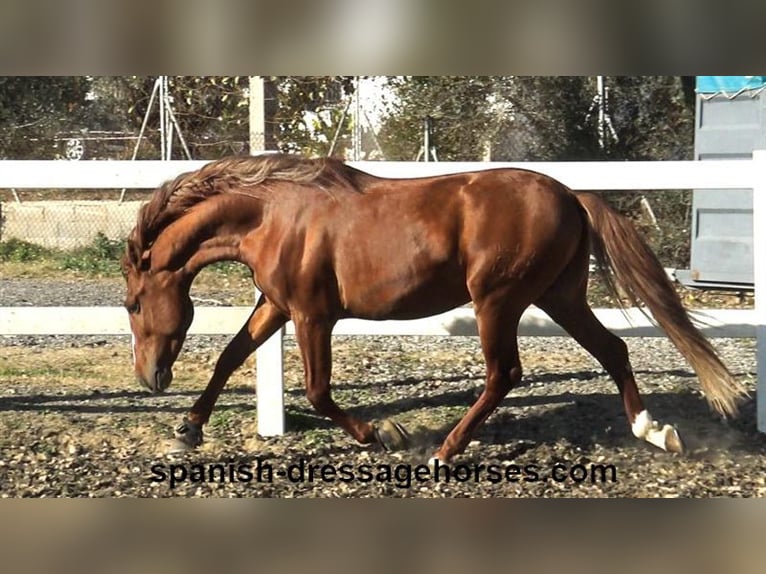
<point>728,84</point>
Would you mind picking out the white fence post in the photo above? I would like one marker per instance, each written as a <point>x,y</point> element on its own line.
<point>269,383</point>
<point>759,276</point>
<point>269,386</point>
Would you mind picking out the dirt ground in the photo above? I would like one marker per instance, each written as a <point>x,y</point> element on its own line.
<point>74,423</point>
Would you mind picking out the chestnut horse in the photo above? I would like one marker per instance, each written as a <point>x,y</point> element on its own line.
<point>326,241</point>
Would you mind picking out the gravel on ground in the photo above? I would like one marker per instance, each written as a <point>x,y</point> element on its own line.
<point>74,423</point>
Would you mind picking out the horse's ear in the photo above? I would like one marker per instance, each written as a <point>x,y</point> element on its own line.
<point>134,256</point>
<point>146,261</point>
<point>124,265</point>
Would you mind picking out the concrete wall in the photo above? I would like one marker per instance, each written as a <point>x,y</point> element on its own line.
<point>66,224</point>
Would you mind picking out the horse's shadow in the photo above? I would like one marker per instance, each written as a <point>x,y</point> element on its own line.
<point>583,419</point>
<point>106,402</point>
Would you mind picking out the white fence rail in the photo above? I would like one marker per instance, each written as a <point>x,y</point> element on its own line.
<point>727,174</point>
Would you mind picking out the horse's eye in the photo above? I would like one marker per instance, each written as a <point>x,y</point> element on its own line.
<point>133,308</point>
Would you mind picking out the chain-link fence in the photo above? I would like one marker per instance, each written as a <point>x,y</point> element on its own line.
<point>66,224</point>
<point>67,219</point>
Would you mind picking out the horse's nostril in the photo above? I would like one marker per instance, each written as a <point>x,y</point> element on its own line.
<point>162,378</point>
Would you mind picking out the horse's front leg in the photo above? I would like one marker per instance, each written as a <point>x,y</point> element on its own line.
<point>264,321</point>
<point>314,339</point>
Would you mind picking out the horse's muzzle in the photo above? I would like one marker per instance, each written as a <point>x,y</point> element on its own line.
<point>158,381</point>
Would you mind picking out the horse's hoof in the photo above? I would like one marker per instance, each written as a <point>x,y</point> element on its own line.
<point>176,446</point>
<point>391,435</point>
<point>434,462</point>
<point>189,434</point>
<point>673,441</point>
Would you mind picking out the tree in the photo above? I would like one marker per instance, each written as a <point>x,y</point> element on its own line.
<point>460,112</point>
<point>34,110</point>
<point>546,120</point>
<point>653,116</point>
<point>313,115</point>
<point>211,112</point>
<point>555,118</point>
<point>540,118</point>
<point>38,112</point>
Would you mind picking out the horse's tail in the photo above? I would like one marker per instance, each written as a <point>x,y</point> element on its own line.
<point>623,255</point>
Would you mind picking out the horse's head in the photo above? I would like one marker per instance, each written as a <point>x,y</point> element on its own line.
<point>161,312</point>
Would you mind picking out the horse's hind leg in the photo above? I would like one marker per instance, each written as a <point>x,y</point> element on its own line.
<point>576,317</point>
<point>497,322</point>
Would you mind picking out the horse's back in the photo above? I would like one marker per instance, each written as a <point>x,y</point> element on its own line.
<point>409,248</point>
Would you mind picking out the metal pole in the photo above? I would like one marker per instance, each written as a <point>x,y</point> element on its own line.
<point>155,89</point>
<point>601,110</point>
<point>146,118</point>
<point>169,140</point>
<point>162,117</point>
<point>427,138</point>
<point>178,131</point>
<point>339,128</point>
<point>357,123</point>
<point>374,135</point>
<point>168,122</point>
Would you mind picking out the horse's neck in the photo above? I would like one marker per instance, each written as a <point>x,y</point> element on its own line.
<point>205,235</point>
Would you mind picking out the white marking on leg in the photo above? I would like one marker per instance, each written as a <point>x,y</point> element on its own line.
<point>644,427</point>
<point>133,347</point>
<point>643,424</point>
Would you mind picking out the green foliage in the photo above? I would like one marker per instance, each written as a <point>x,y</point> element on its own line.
<point>460,111</point>
<point>546,119</point>
<point>539,118</point>
<point>101,257</point>
<point>652,117</point>
<point>33,109</point>
<point>313,113</point>
<point>213,114</point>
<point>18,251</point>
<point>230,268</point>
<point>511,118</point>
<point>211,111</point>
<point>38,113</point>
